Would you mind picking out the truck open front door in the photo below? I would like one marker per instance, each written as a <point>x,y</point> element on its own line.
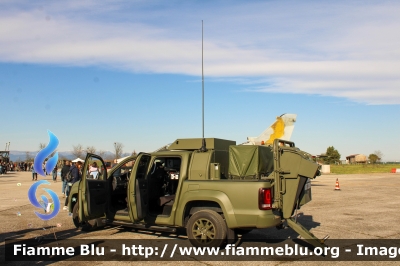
<point>93,189</point>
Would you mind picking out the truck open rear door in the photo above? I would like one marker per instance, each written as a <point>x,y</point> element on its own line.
<point>293,171</point>
<point>137,189</point>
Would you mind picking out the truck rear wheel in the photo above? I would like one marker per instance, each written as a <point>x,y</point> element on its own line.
<point>231,236</point>
<point>206,229</point>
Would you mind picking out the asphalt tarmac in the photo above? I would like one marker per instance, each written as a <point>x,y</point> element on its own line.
<point>366,207</point>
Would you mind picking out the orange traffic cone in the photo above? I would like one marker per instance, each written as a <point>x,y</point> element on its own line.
<point>337,187</point>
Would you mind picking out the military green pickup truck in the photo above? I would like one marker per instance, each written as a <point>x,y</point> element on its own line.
<point>214,193</point>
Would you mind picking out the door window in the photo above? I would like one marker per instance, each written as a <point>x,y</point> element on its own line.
<point>95,169</point>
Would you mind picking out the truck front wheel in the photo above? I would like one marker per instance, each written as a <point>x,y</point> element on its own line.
<point>206,228</point>
<point>75,215</point>
<point>86,226</point>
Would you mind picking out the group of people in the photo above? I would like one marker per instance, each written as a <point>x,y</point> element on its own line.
<point>75,171</point>
<point>11,166</point>
<point>68,168</point>
<point>34,173</point>
<point>3,167</point>
<point>24,166</point>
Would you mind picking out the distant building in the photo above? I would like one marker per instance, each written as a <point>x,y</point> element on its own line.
<point>356,158</point>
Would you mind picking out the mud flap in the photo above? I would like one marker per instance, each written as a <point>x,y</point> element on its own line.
<point>307,235</point>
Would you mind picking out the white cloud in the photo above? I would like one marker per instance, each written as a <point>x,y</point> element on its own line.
<point>342,50</point>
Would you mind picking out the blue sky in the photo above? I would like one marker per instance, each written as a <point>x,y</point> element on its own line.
<point>130,71</point>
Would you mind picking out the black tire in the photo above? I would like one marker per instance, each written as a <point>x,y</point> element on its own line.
<point>231,236</point>
<point>89,225</point>
<point>75,216</point>
<point>206,229</point>
<point>86,226</point>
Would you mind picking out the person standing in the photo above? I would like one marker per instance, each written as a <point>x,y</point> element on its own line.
<point>55,173</point>
<point>34,174</point>
<point>64,171</point>
<point>94,171</point>
<point>4,167</point>
<point>76,176</point>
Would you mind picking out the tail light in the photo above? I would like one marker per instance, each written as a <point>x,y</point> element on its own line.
<point>265,199</point>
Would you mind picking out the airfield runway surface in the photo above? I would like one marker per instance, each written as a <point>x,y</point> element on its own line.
<point>366,207</point>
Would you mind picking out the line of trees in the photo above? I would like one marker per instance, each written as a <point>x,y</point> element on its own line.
<point>375,157</point>
<point>332,156</point>
<point>80,152</point>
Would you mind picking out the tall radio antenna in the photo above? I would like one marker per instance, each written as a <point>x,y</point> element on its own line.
<point>203,145</point>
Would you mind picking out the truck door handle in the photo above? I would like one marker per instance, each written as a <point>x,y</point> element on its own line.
<point>284,172</point>
<point>283,185</point>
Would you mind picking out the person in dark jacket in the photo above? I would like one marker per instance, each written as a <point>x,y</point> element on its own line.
<point>55,169</point>
<point>64,172</point>
<point>76,174</point>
